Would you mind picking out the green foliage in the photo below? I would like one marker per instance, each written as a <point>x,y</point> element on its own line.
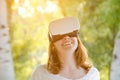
<point>99,20</point>
<point>99,24</point>
<point>102,27</point>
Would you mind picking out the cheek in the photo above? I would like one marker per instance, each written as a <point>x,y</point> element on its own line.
<point>76,42</point>
<point>57,45</point>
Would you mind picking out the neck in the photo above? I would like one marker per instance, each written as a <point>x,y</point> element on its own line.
<point>68,62</point>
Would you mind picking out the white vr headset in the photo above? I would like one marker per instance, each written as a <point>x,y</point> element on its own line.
<point>61,27</point>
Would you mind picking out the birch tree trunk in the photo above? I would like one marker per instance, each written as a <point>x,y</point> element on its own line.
<point>115,66</point>
<point>6,64</point>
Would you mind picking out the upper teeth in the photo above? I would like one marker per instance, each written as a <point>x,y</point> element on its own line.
<point>66,43</point>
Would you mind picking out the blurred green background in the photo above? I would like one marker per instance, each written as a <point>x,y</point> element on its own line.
<point>29,20</point>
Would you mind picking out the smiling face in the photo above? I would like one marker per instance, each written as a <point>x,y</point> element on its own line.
<point>66,45</point>
<point>63,36</point>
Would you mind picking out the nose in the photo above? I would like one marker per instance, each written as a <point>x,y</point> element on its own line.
<point>66,37</point>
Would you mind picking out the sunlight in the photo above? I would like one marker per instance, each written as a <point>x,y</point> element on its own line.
<point>16,1</point>
<point>40,9</point>
<point>25,9</point>
<point>81,6</point>
<point>26,3</point>
<point>51,7</point>
<point>21,10</point>
<point>26,12</point>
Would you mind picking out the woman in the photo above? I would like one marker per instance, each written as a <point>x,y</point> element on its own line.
<point>68,59</point>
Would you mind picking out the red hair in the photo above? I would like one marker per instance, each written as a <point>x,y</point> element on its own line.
<point>80,56</point>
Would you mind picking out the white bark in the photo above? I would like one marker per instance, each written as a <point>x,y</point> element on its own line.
<point>115,66</point>
<point>6,64</point>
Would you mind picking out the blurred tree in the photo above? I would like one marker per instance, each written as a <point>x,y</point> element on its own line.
<point>115,66</point>
<point>6,63</point>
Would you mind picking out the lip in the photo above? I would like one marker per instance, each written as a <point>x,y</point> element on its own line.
<point>67,43</point>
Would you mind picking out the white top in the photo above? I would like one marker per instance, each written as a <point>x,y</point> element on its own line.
<point>41,73</point>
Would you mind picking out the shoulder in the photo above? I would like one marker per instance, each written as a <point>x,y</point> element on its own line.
<point>93,73</point>
<point>38,71</point>
<point>94,70</point>
<point>40,67</point>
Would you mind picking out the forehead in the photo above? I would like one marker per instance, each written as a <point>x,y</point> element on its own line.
<point>64,25</point>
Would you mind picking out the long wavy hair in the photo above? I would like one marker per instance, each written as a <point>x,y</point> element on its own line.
<point>80,56</point>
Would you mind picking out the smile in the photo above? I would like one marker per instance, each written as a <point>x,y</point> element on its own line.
<point>68,43</point>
